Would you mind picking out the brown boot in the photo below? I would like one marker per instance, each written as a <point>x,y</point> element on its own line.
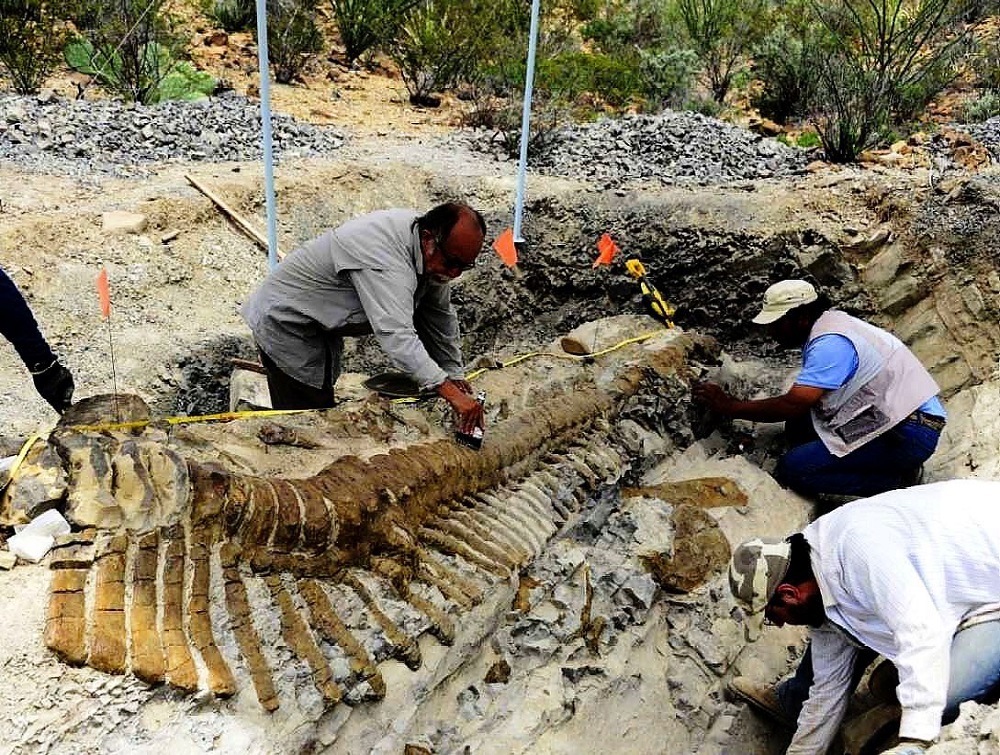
<point>762,698</point>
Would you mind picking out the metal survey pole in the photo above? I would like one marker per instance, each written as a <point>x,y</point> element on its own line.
<point>265,120</point>
<point>529,80</point>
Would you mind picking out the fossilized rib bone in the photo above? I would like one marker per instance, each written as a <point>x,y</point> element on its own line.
<point>406,538</point>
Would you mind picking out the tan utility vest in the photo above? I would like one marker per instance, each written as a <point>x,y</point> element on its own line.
<point>889,384</point>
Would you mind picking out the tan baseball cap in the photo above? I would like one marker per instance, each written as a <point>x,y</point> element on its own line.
<point>782,298</point>
<point>755,571</point>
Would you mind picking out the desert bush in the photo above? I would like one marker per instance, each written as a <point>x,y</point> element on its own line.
<point>976,10</point>
<point>185,82</point>
<point>440,42</point>
<point>667,76</point>
<point>705,105</point>
<point>366,24</point>
<point>722,32</point>
<point>292,36</point>
<point>982,108</point>
<point>808,140</point>
<point>180,80</point>
<point>31,41</point>
<point>985,62</point>
<point>129,45</point>
<point>784,61</point>
<point>232,15</point>
<point>879,62</point>
<point>498,79</point>
<point>619,27</point>
<point>571,74</point>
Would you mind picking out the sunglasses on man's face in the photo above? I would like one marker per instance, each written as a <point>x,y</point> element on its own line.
<point>450,260</point>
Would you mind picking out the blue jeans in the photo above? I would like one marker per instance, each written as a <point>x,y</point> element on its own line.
<point>883,463</point>
<point>975,672</point>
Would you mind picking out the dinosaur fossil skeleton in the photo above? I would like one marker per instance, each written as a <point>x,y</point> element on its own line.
<point>414,537</point>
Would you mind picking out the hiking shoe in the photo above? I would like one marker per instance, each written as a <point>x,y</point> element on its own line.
<point>762,698</point>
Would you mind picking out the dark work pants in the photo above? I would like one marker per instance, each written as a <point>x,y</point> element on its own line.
<point>884,463</point>
<point>289,393</point>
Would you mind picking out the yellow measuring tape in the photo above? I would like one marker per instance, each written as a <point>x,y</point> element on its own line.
<point>661,309</point>
<point>555,355</point>
<point>221,417</point>
<point>229,416</point>
<point>21,455</point>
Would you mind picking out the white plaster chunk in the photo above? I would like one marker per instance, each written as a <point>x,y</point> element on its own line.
<point>123,222</point>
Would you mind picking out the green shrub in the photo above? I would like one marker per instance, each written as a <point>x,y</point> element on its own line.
<point>880,63</point>
<point>705,105</point>
<point>129,45</point>
<point>984,107</point>
<point>439,44</point>
<point>622,26</point>
<point>986,64</point>
<point>31,40</point>
<point>785,64</point>
<point>182,81</point>
<point>185,82</point>
<point>667,76</point>
<point>722,32</point>
<point>574,73</point>
<point>808,140</point>
<point>232,15</point>
<point>292,36</point>
<point>366,24</point>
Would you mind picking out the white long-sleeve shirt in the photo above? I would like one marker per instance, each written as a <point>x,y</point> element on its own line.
<point>897,573</point>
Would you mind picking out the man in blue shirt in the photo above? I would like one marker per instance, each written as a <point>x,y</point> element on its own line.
<point>52,380</point>
<point>863,414</point>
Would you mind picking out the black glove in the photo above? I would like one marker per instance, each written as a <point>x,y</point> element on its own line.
<point>54,384</point>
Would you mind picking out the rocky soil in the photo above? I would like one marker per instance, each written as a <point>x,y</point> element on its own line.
<point>908,239</point>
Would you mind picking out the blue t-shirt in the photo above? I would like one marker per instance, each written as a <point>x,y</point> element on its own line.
<point>831,360</point>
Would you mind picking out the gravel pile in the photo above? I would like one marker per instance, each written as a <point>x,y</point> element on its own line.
<point>987,133</point>
<point>53,134</point>
<point>673,147</point>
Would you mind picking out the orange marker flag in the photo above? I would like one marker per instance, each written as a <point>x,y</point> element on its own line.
<point>504,247</point>
<point>104,293</point>
<point>607,249</point>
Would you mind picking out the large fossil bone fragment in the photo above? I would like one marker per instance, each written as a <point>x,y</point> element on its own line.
<point>408,539</point>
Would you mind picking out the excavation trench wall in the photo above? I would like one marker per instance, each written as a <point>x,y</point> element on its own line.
<point>871,244</point>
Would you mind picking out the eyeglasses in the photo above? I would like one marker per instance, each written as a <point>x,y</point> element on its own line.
<point>452,262</point>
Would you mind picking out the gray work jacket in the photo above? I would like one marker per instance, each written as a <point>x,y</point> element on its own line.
<point>365,276</point>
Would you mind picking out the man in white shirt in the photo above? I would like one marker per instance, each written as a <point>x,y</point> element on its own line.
<point>913,575</point>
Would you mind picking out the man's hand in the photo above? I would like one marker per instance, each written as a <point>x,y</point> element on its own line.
<point>469,411</point>
<point>713,396</point>
<point>463,384</point>
<point>54,383</point>
<point>908,747</point>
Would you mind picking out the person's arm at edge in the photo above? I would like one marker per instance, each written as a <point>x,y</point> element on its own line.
<point>394,329</point>
<point>833,664</point>
<point>437,325</point>
<point>796,402</point>
<point>18,325</point>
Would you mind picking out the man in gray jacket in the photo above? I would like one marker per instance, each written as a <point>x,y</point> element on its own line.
<point>388,273</point>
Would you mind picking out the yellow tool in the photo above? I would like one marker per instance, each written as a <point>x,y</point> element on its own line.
<point>658,307</point>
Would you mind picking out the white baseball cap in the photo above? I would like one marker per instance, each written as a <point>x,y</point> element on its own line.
<point>782,298</point>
